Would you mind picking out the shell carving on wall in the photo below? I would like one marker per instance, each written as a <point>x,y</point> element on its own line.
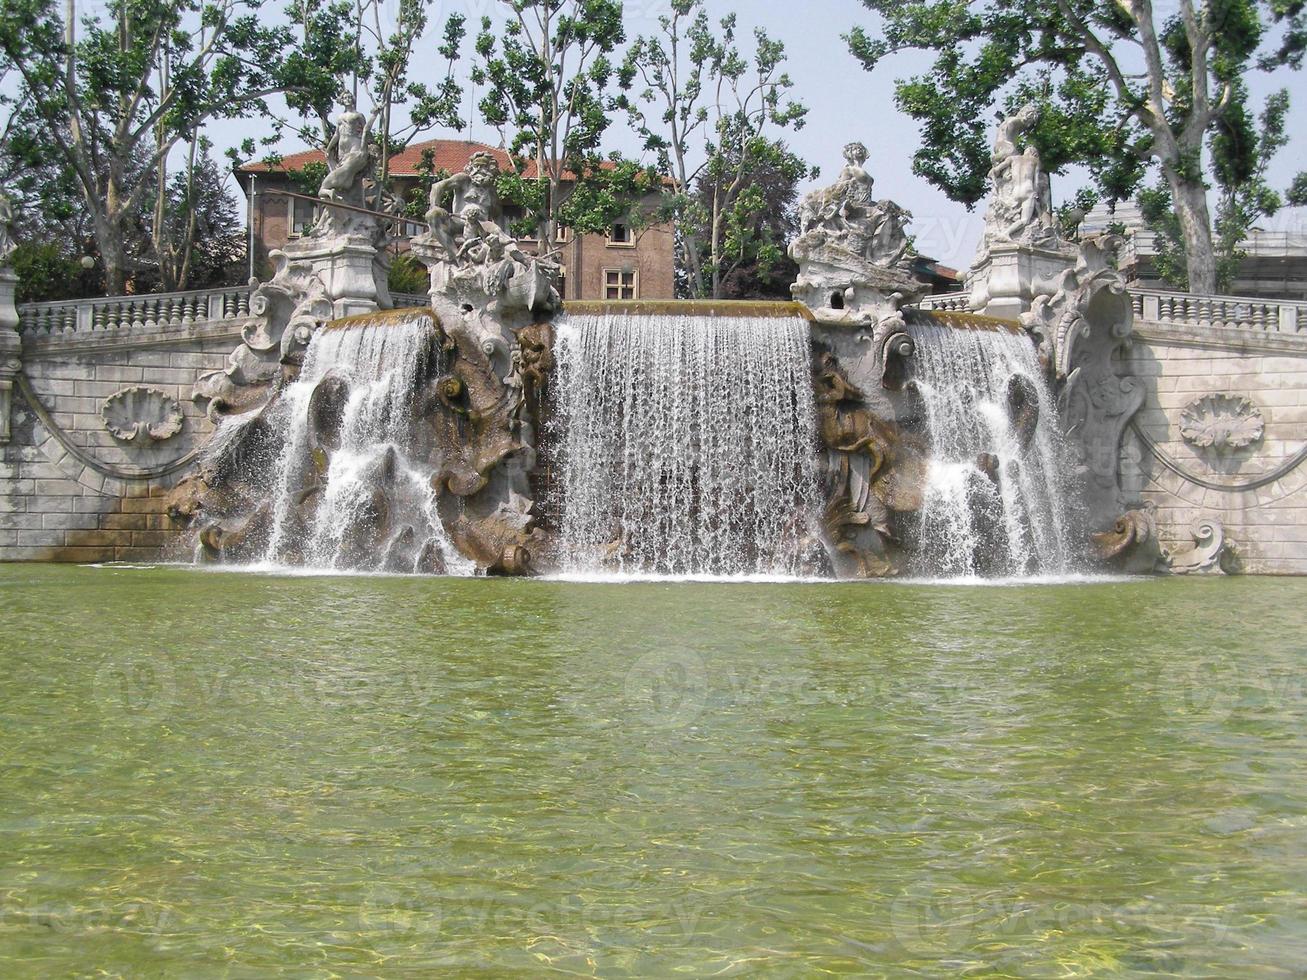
<point>1221,422</point>
<point>133,411</point>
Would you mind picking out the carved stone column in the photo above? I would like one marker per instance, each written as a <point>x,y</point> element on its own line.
<point>11,348</point>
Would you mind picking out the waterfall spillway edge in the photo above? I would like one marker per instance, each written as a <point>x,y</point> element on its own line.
<point>685,445</point>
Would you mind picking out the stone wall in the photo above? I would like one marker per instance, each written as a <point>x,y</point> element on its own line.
<point>70,490</point>
<point>1255,489</point>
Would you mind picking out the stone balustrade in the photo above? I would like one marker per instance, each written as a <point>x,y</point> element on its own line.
<point>948,302</point>
<point>1177,309</point>
<point>153,311</point>
<point>405,300</point>
<point>1236,312</point>
<point>148,311</point>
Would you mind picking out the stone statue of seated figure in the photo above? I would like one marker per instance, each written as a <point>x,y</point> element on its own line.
<point>474,188</point>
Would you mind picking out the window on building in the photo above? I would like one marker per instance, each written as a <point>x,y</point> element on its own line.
<point>562,234</point>
<point>621,235</point>
<point>301,216</point>
<point>621,284</point>
<point>562,282</point>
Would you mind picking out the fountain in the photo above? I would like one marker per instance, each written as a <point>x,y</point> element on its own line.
<point>685,444</point>
<point>849,434</point>
<point>996,500</point>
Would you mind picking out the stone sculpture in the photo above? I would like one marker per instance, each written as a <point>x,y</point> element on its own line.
<point>136,411</point>
<point>350,157</point>
<point>475,265</point>
<point>1021,256</point>
<point>11,348</point>
<point>7,243</point>
<point>854,255</point>
<point>284,314</point>
<point>339,269</point>
<point>1080,330</point>
<point>872,472</point>
<point>1131,544</point>
<point>1221,423</point>
<point>1210,554</point>
<point>1021,206</point>
<point>480,438</point>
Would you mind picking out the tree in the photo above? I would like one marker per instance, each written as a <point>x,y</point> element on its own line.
<point>343,48</point>
<point>1122,89</point>
<point>750,261</point>
<point>548,80</point>
<point>1243,193</point>
<point>143,76</point>
<point>706,111</point>
<point>196,231</point>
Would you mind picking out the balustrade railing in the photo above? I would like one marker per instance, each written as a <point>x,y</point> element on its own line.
<point>152,311</point>
<point>404,300</point>
<point>1188,310</point>
<point>952,302</point>
<point>1236,312</point>
<point>147,311</point>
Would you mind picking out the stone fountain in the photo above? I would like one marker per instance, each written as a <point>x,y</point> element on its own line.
<point>850,433</point>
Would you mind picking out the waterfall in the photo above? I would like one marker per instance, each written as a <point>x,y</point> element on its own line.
<point>683,445</point>
<point>373,505</point>
<point>1016,519</point>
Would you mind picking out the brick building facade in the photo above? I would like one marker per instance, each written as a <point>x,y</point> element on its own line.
<point>623,264</point>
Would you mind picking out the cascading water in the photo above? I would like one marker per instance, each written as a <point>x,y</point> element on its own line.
<point>372,506</point>
<point>995,501</point>
<point>684,445</point>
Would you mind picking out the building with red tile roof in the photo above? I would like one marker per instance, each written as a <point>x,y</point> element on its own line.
<point>624,264</point>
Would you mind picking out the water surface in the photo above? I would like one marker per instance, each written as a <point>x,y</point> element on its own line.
<point>220,773</point>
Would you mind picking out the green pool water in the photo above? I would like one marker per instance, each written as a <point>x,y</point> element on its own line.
<point>210,773</point>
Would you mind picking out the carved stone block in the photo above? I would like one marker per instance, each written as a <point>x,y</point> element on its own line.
<point>138,410</point>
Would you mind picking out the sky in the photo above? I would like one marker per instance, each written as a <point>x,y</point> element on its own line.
<point>845,103</point>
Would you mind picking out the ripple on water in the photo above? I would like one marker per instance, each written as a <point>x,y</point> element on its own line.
<point>387,776</point>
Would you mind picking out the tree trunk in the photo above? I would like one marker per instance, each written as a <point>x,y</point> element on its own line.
<point>114,257</point>
<point>1190,201</point>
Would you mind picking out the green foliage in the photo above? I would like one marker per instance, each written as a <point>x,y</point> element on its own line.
<point>1120,92</point>
<point>1242,150</point>
<point>308,178</point>
<point>708,113</point>
<point>1296,195</point>
<point>345,49</point>
<point>408,275</point>
<point>111,95</point>
<point>197,237</point>
<point>756,224</point>
<point>47,272</point>
<point>547,75</point>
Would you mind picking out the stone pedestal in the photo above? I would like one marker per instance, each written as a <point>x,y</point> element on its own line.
<point>11,348</point>
<point>350,267</point>
<point>1008,278</point>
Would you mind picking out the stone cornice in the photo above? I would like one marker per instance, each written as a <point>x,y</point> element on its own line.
<point>1240,341</point>
<point>105,341</point>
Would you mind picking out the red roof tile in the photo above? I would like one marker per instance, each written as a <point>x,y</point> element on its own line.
<point>451,155</point>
